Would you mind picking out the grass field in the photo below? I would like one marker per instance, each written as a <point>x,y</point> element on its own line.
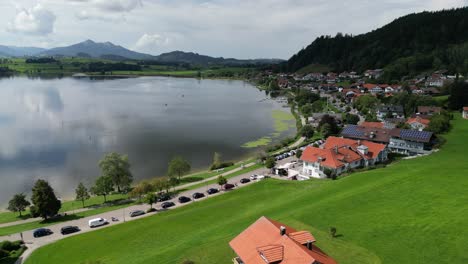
<point>414,211</point>
<point>7,217</point>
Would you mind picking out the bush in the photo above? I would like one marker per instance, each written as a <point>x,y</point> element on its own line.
<point>34,211</point>
<point>10,246</point>
<point>221,165</point>
<point>4,254</point>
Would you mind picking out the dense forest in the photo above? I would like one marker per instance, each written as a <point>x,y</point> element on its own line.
<point>407,46</point>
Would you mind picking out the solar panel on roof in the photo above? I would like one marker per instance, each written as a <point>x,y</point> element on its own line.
<point>415,134</point>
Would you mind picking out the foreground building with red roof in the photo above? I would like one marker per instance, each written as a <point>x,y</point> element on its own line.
<point>465,112</point>
<point>267,241</point>
<point>338,155</point>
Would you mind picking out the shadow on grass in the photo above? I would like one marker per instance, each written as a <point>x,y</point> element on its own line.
<point>68,217</point>
<point>111,203</point>
<point>14,256</point>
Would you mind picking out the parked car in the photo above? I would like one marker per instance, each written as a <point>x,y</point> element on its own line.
<point>184,199</point>
<point>164,197</point>
<point>244,180</point>
<point>262,177</point>
<point>198,195</point>
<point>253,177</point>
<point>69,230</point>
<point>228,186</point>
<point>212,191</point>
<point>136,213</point>
<point>42,232</point>
<point>166,205</point>
<point>97,222</point>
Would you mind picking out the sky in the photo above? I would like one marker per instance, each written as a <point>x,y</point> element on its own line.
<point>220,28</point>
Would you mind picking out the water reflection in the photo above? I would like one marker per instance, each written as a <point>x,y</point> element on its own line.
<point>58,129</point>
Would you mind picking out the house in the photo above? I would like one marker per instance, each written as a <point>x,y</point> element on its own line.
<point>429,110</point>
<point>390,111</point>
<point>465,112</point>
<point>418,123</point>
<point>372,124</point>
<point>338,155</point>
<point>373,74</point>
<point>403,141</point>
<point>435,80</point>
<point>267,241</point>
<point>373,88</point>
<point>314,120</point>
<point>411,142</point>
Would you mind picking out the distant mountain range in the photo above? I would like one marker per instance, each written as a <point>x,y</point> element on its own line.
<point>110,51</point>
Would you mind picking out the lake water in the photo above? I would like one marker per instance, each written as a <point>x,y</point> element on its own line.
<point>58,129</point>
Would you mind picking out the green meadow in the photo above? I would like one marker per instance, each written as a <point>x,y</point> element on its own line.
<point>413,211</point>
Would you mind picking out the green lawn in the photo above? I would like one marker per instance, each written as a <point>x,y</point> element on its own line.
<point>7,217</point>
<point>414,211</point>
<point>36,224</point>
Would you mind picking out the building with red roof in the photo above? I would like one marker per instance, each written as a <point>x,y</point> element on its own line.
<point>372,124</point>
<point>338,155</point>
<point>267,241</point>
<point>418,122</point>
<point>465,112</point>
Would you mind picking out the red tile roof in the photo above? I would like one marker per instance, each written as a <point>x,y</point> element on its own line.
<point>418,119</point>
<point>372,124</point>
<point>263,243</point>
<point>373,148</point>
<point>465,108</point>
<point>327,157</point>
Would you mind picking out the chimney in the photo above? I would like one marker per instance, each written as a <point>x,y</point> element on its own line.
<point>359,142</point>
<point>336,149</point>
<point>282,230</point>
<point>309,244</point>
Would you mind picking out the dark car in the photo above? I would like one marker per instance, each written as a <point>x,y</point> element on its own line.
<point>167,205</point>
<point>212,191</point>
<point>69,230</point>
<point>42,232</point>
<point>244,180</point>
<point>198,195</point>
<point>228,186</point>
<point>184,199</point>
<point>136,213</point>
<point>164,197</point>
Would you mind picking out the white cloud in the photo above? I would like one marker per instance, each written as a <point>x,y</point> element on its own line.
<point>148,42</point>
<point>36,20</point>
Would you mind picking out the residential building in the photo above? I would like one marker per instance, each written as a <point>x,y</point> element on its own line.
<point>372,124</point>
<point>418,123</point>
<point>338,155</point>
<point>373,74</point>
<point>404,141</point>
<point>411,142</point>
<point>390,111</point>
<point>429,110</point>
<point>465,112</point>
<point>270,242</point>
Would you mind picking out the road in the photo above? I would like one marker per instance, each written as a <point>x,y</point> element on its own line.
<point>123,214</point>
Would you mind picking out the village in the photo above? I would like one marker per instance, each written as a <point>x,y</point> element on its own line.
<point>380,130</point>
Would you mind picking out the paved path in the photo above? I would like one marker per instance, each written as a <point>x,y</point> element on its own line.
<point>123,214</point>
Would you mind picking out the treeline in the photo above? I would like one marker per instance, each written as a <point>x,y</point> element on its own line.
<point>107,67</point>
<point>41,60</point>
<point>420,41</point>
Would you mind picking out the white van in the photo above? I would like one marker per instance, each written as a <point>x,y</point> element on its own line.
<point>97,222</point>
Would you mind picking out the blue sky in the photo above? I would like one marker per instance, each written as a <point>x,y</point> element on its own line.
<point>227,28</point>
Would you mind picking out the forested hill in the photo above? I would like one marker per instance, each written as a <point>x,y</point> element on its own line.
<point>425,39</point>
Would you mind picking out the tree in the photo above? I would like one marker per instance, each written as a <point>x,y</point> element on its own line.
<point>222,180</point>
<point>178,166</point>
<point>45,202</point>
<point>299,153</point>
<point>103,186</point>
<point>150,199</point>
<point>82,193</point>
<point>333,231</point>
<point>18,203</point>
<point>159,184</point>
<point>117,168</point>
<point>216,160</point>
<point>351,119</point>
<point>270,162</point>
<point>439,123</point>
<point>331,122</point>
<point>307,131</point>
<point>141,189</point>
<point>326,130</point>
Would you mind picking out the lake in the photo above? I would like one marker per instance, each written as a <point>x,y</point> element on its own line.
<point>58,129</point>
